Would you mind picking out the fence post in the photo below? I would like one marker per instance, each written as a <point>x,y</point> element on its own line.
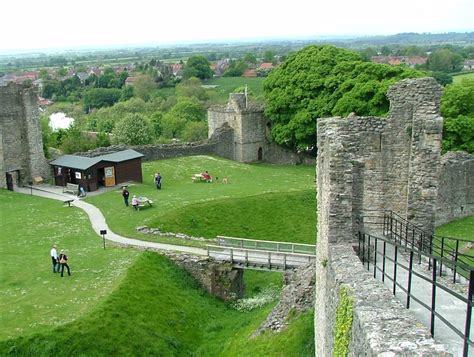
<point>375,259</point>
<point>368,254</point>
<point>395,260</point>
<point>269,259</point>
<point>247,258</point>
<point>231,255</point>
<point>410,268</point>
<point>284,262</point>
<point>467,329</point>
<point>433,298</point>
<point>441,260</point>
<point>455,260</point>
<point>383,261</point>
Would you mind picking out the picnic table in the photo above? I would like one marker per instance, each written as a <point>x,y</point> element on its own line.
<point>142,201</point>
<point>201,178</point>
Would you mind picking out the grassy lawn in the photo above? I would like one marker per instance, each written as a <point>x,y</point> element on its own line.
<point>34,299</point>
<point>261,201</point>
<point>461,228</point>
<point>227,85</point>
<point>460,77</point>
<point>159,310</point>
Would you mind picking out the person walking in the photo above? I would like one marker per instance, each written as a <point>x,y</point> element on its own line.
<point>55,259</point>
<point>63,261</point>
<point>158,181</point>
<point>125,195</point>
<point>135,202</point>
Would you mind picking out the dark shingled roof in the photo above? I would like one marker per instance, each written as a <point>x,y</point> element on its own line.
<point>83,163</point>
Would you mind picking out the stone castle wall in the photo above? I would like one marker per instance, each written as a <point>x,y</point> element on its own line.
<point>365,165</point>
<point>21,144</point>
<point>456,187</point>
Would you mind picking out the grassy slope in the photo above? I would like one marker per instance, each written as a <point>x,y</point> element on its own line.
<point>461,228</point>
<point>180,193</point>
<point>32,298</point>
<point>159,310</point>
<point>460,77</point>
<point>265,217</point>
<point>227,85</point>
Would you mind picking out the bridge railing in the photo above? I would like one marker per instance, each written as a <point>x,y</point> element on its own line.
<point>284,247</point>
<point>249,257</point>
<point>411,236</point>
<point>373,254</point>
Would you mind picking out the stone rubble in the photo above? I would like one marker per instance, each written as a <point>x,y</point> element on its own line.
<point>297,295</point>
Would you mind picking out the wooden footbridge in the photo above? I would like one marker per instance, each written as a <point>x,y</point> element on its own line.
<point>261,255</point>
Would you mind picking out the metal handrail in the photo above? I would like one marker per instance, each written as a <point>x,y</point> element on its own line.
<point>268,245</point>
<point>366,244</point>
<point>418,239</point>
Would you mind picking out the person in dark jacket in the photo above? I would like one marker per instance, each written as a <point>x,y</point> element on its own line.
<point>125,195</point>
<point>63,262</point>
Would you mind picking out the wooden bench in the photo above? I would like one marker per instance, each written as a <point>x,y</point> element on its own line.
<point>68,202</point>
<point>37,180</point>
<point>72,188</point>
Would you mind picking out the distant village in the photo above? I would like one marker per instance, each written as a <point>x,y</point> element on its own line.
<point>261,69</point>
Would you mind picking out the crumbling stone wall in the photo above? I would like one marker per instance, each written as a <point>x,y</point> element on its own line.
<point>368,164</point>
<point>21,148</point>
<point>456,187</point>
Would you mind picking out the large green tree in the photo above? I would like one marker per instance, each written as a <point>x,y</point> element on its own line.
<point>323,81</point>
<point>457,108</point>
<point>134,129</point>
<point>197,66</point>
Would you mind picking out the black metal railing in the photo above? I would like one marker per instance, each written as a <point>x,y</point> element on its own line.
<point>373,254</point>
<point>413,237</point>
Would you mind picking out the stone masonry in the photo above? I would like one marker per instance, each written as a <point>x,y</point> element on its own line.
<point>456,187</point>
<point>21,149</point>
<point>365,165</point>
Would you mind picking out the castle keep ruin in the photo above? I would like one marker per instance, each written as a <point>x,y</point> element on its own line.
<point>21,149</point>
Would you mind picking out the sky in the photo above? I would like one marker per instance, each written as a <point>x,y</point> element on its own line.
<point>53,24</point>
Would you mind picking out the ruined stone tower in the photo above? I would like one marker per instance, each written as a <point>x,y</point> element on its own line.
<point>21,145</point>
<point>248,124</point>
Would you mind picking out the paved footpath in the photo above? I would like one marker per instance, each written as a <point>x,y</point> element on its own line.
<point>98,221</point>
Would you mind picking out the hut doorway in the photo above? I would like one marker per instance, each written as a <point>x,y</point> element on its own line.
<point>260,154</point>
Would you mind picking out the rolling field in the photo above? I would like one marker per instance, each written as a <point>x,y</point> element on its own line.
<point>261,201</point>
<point>120,301</point>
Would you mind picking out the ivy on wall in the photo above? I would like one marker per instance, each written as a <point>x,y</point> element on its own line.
<point>343,327</point>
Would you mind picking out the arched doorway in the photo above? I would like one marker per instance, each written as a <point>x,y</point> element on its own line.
<point>260,154</point>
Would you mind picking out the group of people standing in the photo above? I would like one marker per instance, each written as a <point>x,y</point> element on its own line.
<point>59,261</point>
<point>126,193</point>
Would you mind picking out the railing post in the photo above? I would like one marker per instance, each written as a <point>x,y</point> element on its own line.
<point>292,248</point>
<point>375,259</point>
<point>395,260</point>
<point>208,251</point>
<point>269,260</point>
<point>455,260</point>
<point>441,260</point>
<point>278,247</point>
<point>241,243</point>
<point>391,224</point>
<point>231,255</point>
<point>368,254</point>
<point>247,258</point>
<point>284,262</point>
<point>433,298</point>
<point>467,329</point>
<point>363,248</point>
<point>410,269</point>
<point>406,236</point>
<point>383,261</point>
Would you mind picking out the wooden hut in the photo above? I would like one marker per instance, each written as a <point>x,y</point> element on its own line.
<point>94,172</point>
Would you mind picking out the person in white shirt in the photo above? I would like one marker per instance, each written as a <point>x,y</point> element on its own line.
<point>54,259</point>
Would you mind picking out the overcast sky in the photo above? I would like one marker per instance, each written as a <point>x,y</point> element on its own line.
<point>34,24</point>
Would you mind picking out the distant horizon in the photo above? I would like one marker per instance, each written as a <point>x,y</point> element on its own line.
<point>52,25</point>
<point>166,44</point>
